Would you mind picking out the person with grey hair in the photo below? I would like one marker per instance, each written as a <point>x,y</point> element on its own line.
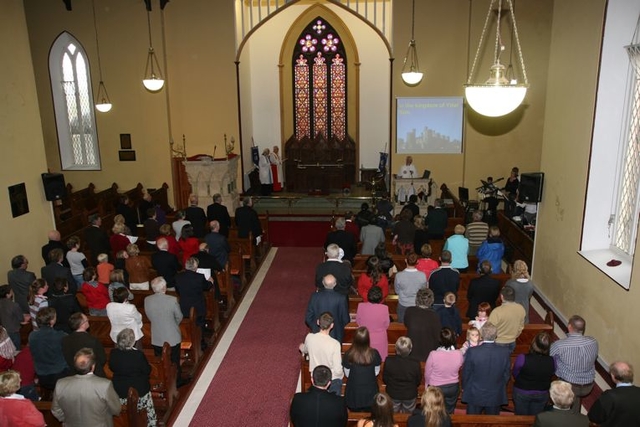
<point>218,212</point>
<point>402,376</point>
<point>328,300</point>
<point>341,271</point>
<point>476,231</point>
<point>508,318</point>
<point>423,325</point>
<point>165,263</point>
<point>85,399</point>
<point>343,239</point>
<point>131,369</point>
<point>191,286</point>
<point>561,416</point>
<point>165,315</point>
<point>619,405</point>
<point>485,373</point>
<point>195,214</point>
<point>247,220</point>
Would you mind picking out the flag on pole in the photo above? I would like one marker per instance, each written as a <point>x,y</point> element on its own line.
<point>383,161</point>
<point>255,155</point>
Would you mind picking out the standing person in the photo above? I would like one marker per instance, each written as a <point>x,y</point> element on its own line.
<point>402,376</point>
<point>328,300</point>
<point>85,399</point>
<point>423,325</point>
<point>325,350</point>
<point>449,314</point>
<point>481,289</point>
<point>46,349</point>
<point>20,281</point>
<point>218,212</point>
<point>128,213</point>
<point>373,277</point>
<point>118,240</point>
<point>151,227</point>
<point>485,373</point>
<point>343,239</point>
<point>96,294</point>
<point>195,214</point>
<point>64,302</point>
<point>179,223</point>
<point>436,221</point>
<point>351,226</point>
<point>76,259</point>
<point>104,269</point>
<point>15,410</point>
<point>421,236</point>
<point>381,413</point>
<point>375,317</point>
<point>123,315</point>
<point>425,263</point>
<point>443,367</point>
<point>433,411</point>
<point>533,373</point>
<point>575,357</point>
<point>341,271</point>
<point>371,235</point>
<point>561,416</point>
<point>458,245</point>
<point>444,278</point>
<point>521,283</point>
<point>56,268</point>
<point>247,220</point>
<point>217,243</point>
<point>11,315</point>
<point>37,299</point>
<point>166,232</point>
<point>408,170</point>
<point>96,238</point>
<point>508,318</point>
<point>511,192</point>
<point>191,286</point>
<point>276,169</point>
<point>404,232</point>
<point>407,284</point>
<point>131,368</point>
<point>79,339</point>
<point>266,176</point>
<point>138,267</point>
<point>165,315</point>
<point>54,243</point>
<point>492,250</point>
<point>619,405</point>
<point>189,243</point>
<point>477,232</point>
<point>317,407</point>
<point>165,263</point>
<point>361,365</point>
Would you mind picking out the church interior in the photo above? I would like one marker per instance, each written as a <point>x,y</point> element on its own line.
<point>229,86</point>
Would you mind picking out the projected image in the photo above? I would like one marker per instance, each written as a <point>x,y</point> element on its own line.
<point>429,125</point>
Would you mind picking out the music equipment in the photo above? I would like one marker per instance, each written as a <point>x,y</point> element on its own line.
<point>54,186</point>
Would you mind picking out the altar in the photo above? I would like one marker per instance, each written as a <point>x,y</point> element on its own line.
<point>208,176</point>
<point>425,189</point>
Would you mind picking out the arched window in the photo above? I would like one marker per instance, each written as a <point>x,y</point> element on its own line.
<point>73,104</point>
<point>319,82</point>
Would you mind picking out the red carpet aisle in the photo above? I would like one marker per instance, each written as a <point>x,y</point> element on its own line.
<point>254,382</point>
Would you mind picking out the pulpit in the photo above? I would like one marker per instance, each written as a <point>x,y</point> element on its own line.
<point>424,189</point>
<point>209,176</point>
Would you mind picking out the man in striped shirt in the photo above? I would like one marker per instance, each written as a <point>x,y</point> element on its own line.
<point>575,358</point>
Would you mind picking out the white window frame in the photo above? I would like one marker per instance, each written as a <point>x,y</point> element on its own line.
<point>608,145</point>
<point>63,118</point>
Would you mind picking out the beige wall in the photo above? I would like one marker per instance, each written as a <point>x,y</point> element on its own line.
<point>569,281</point>
<point>21,137</point>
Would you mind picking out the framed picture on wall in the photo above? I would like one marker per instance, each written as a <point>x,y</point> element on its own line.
<point>127,155</point>
<point>18,200</point>
<point>429,125</point>
<point>125,141</point>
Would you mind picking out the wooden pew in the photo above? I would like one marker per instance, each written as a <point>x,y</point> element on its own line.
<point>459,420</point>
<point>245,246</point>
<point>163,377</point>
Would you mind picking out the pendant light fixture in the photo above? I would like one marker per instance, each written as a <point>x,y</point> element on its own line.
<point>411,74</point>
<point>153,80</point>
<point>501,93</point>
<point>102,102</point>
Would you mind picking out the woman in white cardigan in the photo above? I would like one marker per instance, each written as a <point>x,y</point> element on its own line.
<point>123,315</point>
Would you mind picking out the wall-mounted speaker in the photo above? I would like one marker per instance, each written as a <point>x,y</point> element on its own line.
<point>531,186</point>
<point>54,186</point>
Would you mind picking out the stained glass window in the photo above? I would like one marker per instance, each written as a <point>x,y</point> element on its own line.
<point>319,82</point>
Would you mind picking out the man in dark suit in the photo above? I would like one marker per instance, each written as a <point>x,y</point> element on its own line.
<point>318,407</point>
<point>561,415</point>
<point>54,243</point>
<point>195,214</point>
<point>20,281</point>
<point>436,221</point>
<point>55,269</point>
<point>80,338</point>
<point>341,271</point>
<point>344,239</point>
<point>482,289</point>
<point>327,299</point>
<point>247,220</point>
<point>165,263</point>
<point>96,238</point>
<point>191,286</point>
<point>218,245</point>
<point>218,212</point>
<point>620,405</point>
<point>485,374</point>
<point>444,278</point>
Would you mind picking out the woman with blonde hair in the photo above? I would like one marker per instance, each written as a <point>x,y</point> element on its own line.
<point>138,268</point>
<point>118,240</point>
<point>433,413</point>
<point>381,413</point>
<point>522,284</point>
<point>15,410</point>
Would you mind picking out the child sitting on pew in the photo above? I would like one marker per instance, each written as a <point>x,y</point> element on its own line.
<point>449,313</point>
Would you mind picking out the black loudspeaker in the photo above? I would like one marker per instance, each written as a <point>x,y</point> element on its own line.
<point>531,186</point>
<point>54,187</point>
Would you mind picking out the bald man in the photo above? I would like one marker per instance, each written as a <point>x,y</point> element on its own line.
<point>54,243</point>
<point>618,406</point>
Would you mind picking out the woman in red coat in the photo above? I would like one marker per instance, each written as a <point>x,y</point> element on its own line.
<point>188,244</point>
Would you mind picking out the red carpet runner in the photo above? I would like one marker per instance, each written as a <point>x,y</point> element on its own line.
<point>259,372</point>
